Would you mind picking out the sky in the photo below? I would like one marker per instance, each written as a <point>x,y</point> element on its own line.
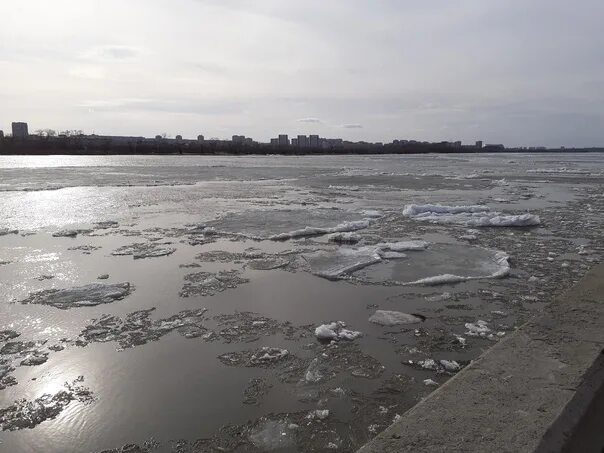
<point>518,72</point>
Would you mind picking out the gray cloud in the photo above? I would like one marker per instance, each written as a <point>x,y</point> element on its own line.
<point>434,70</point>
<point>352,126</point>
<point>114,52</point>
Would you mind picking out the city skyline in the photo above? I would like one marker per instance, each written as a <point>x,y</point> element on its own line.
<point>505,72</point>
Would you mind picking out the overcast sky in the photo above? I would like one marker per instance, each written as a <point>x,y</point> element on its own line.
<point>519,72</point>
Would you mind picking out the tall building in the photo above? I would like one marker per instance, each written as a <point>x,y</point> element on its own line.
<point>20,130</point>
<point>314,141</point>
<point>238,138</point>
<point>1,134</point>
<point>283,140</point>
<point>200,138</point>
<point>479,144</point>
<point>302,141</point>
<point>274,141</point>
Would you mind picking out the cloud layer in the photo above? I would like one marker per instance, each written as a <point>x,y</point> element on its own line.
<point>511,71</point>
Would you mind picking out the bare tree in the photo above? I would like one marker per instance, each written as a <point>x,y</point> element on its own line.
<point>46,132</point>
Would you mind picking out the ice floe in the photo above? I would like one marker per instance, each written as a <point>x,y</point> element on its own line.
<point>334,265</point>
<point>335,331</point>
<point>209,284</point>
<point>23,414</point>
<point>145,250</point>
<point>70,233</point>
<point>393,318</point>
<point>479,328</point>
<point>473,215</point>
<point>499,268</point>
<point>354,225</point>
<point>80,296</point>
<point>262,357</point>
<point>138,328</point>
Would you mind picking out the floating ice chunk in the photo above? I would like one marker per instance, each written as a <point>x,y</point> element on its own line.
<point>326,332</point>
<point>475,215</point>
<point>372,214</point>
<point>461,340</point>
<point>272,435</point>
<point>267,354</point>
<point>521,220</point>
<point>335,331</point>
<point>393,318</point>
<point>349,334</point>
<point>404,246</point>
<point>428,364</point>
<point>80,296</point>
<point>392,255</point>
<point>441,279</point>
<point>414,210</point>
<point>439,297</point>
<point>65,234</point>
<point>450,365</point>
<point>313,373</point>
<point>318,231</point>
<point>345,261</point>
<point>478,329</point>
<point>499,268</point>
<point>318,414</point>
<point>431,383</point>
<point>144,250</point>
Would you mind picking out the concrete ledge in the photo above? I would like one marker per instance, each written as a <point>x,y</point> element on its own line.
<point>529,392</point>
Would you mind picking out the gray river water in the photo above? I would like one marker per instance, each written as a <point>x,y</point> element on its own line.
<point>170,303</point>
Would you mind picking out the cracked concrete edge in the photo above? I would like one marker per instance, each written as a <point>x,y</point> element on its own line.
<point>508,398</point>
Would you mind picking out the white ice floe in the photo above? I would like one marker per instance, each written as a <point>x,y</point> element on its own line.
<point>499,268</point>
<point>345,261</point>
<point>473,215</point>
<point>415,210</point>
<point>403,246</point>
<point>267,355</point>
<point>450,365</point>
<point>561,170</point>
<point>393,318</point>
<point>80,296</point>
<point>431,383</point>
<point>336,331</point>
<point>392,255</point>
<point>461,340</point>
<point>318,231</point>
<point>520,220</point>
<point>372,214</point>
<point>318,414</point>
<point>428,364</point>
<point>439,297</point>
<point>313,373</point>
<point>479,328</point>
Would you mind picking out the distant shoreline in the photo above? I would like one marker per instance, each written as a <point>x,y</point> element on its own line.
<point>277,152</point>
<point>82,145</point>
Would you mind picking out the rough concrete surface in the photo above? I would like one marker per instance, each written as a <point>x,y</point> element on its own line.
<point>508,398</point>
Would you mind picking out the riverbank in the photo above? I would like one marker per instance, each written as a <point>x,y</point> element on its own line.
<point>530,392</point>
